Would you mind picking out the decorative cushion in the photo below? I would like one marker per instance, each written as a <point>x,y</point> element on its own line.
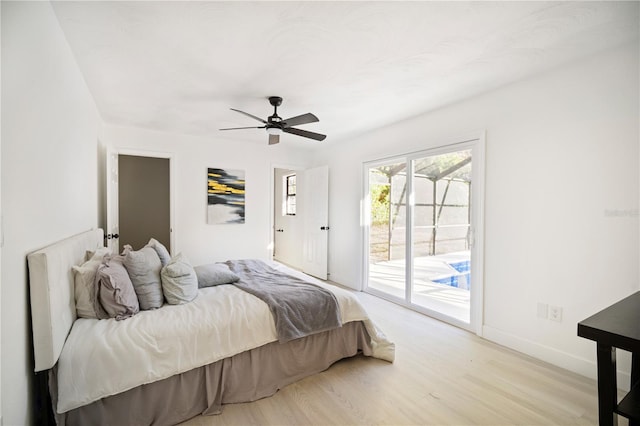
<point>214,274</point>
<point>144,268</point>
<point>179,281</point>
<point>162,251</point>
<point>99,252</point>
<point>83,278</point>
<point>115,295</point>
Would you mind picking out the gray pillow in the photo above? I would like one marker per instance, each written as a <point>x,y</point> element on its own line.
<point>116,297</point>
<point>162,251</point>
<point>179,281</point>
<point>144,268</point>
<point>214,274</point>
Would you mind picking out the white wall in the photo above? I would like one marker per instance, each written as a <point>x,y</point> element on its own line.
<point>561,201</point>
<point>200,242</point>
<point>49,179</point>
<point>1,227</point>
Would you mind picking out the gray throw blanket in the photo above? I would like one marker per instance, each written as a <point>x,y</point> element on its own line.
<point>299,308</point>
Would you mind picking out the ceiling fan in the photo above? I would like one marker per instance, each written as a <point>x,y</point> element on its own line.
<point>276,125</point>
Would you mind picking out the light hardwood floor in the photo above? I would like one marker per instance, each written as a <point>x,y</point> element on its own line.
<point>442,375</point>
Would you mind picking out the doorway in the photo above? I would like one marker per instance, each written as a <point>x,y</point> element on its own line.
<point>423,221</point>
<point>143,200</point>
<point>139,200</point>
<point>287,237</point>
<point>300,235</point>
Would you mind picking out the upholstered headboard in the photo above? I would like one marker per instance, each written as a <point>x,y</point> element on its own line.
<point>53,308</point>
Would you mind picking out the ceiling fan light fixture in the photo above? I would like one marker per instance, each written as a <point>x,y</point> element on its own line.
<point>274,130</point>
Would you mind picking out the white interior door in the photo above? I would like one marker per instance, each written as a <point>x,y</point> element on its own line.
<point>111,233</point>
<point>314,185</point>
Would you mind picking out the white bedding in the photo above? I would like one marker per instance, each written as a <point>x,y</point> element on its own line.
<point>106,357</point>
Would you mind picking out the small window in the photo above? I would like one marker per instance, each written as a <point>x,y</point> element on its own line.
<point>290,186</point>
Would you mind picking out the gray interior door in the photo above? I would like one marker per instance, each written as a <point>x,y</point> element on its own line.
<point>143,201</point>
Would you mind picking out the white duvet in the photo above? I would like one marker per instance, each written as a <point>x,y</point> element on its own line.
<point>106,357</point>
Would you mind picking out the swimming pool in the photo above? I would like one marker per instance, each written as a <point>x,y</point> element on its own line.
<point>460,280</point>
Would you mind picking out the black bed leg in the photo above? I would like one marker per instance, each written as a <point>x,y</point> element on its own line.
<point>42,408</point>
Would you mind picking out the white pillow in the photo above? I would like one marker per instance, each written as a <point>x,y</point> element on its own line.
<point>101,252</point>
<point>179,281</point>
<point>84,288</point>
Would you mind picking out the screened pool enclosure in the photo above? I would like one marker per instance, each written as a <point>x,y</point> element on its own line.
<point>439,257</point>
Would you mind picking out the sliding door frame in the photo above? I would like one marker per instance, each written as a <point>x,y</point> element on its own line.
<point>475,143</point>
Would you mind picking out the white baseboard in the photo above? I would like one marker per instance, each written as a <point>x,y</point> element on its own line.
<point>551,355</point>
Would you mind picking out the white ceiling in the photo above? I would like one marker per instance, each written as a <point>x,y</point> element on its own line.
<point>179,66</point>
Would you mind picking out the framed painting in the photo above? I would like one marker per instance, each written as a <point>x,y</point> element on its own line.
<point>225,196</point>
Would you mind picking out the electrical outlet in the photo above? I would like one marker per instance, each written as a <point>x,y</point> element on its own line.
<point>555,313</point>
<point>543,310</point>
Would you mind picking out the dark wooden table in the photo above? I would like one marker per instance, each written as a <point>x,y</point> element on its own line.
<point>617,326</point>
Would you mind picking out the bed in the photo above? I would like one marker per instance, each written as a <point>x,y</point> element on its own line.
<point>170,364</point>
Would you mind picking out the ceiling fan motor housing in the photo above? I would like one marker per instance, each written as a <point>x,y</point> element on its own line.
<point>275,101</point>
<point>274,119</point>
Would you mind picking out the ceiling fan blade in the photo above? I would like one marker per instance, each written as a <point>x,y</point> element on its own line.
<point>300,119</point>
<point>237,128</point>
<point>249,115</point>
<point>305,133</point>
<point>274,139</point>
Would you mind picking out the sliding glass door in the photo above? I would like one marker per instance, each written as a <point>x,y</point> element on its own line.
<point>387,231</point>
<point>422,211</point>
<point>442,221</point>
